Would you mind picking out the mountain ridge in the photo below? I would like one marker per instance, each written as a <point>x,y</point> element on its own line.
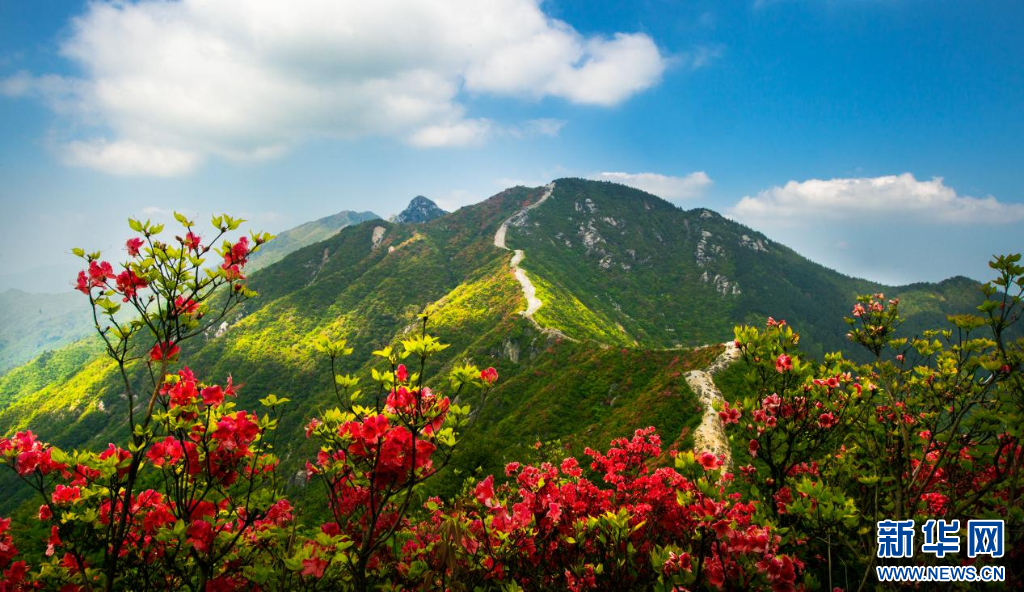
<point>306,234</point>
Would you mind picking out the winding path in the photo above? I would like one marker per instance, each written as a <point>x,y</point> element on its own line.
<point>710,434</point>
<point>529,291</point>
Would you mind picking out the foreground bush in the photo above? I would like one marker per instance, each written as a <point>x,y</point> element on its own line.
<point>930,429</point>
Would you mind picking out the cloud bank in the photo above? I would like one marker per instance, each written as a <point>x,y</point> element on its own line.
<point>664,186</point>
<point>168,84</point>
<point>897,198</point>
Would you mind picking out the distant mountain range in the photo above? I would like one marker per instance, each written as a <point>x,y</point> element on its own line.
<point>33,323</point>
<point>305,235</point>
<point>627,285</point>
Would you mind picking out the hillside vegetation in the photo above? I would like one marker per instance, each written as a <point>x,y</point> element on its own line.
<point>627,277</point>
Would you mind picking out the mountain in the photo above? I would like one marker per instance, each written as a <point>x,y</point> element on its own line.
<point>623,266</point>
<point>419,210</point>
<point>618,284</point>
<point>33,323</point>
<point>305,235</point>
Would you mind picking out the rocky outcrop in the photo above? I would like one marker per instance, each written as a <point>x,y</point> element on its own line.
<point>377,237</point>
<point>419,210</point>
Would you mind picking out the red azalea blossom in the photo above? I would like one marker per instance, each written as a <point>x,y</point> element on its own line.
<point>82,283</point>
<point>212,396</point>
<point>729,414</point>
<point>100,272</point>
<point>183,306</point>
<point>236,431</point>
<point>709,460</point>
<point>164,351</point>
<point>827,420</point>
<point>54,541</point>
<point>192,241</point>
<point>401,374</point>
<point>783,364</point>
<point>129,284</point>
<point>489,376</point>
<point>235,256</point>
<point>314,566</point>
<point>133,245</point>
<point>166,452</point>
<point>484,492</point>
<point>65,495</point>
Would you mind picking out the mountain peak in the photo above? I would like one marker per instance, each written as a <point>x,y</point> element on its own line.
<point>420,210</point>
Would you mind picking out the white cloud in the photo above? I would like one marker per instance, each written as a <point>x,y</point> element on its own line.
<point>468,132</point>
<point>125,157</point>
<point>249,79</point>
<point>664,186</point>
<point>893,197</point>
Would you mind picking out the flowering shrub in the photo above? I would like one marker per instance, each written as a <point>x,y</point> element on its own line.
<point>622,524</point>
<point>929,428</point>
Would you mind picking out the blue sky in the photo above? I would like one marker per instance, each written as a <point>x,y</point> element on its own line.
<point>879,137</point>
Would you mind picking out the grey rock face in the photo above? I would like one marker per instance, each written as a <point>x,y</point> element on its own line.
<point>420,210</point>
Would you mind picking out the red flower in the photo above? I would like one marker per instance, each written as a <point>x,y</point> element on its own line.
<point>183,306</point>
<point>729,414</point>
<point>314,566</point>
<point>827,420</point>
<point>236,431</point>
<point>99,273</point>
<point>65,495</point>
<point>45,513</point>
<point>16,574</point>
<point>489,376</point>
<point>235,255</point>
<point>783,364</point>
<point>133,246</point>
<point>192,241</point>
<point>129,284</point>
<point>709,461</point>
<point>164,351</point>
<point>311,427</point>
<point>212,396</point>
<point>54,541</point>
<point>82,283</point>
<point>554,511</point>
<point>201,535</point>
<point>399,399</point>
<point>183,392</point>
<point>754,447</point>
<point>485,492</point>
<point>401,374</point>
<point>27,461</point>
<point>167,452</point>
